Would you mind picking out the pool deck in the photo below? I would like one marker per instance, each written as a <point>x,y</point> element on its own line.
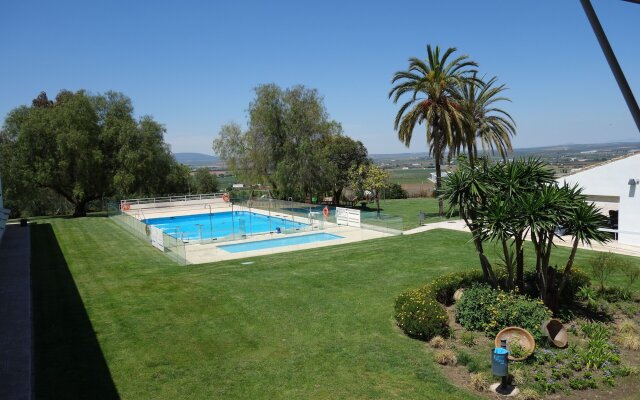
<point>203,253</point>
<point>198,253</point>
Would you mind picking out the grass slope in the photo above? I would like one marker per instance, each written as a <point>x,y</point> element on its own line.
<point>312,324</point>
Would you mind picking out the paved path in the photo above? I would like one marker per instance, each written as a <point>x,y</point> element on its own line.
<point>459,225</point>
<point>15,314</point>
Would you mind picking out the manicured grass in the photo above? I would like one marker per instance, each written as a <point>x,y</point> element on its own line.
<point>414,175</point>
<point>409,209</point>
<point>311,324</point>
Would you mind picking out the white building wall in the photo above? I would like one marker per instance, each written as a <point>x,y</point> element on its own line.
<point>608,179</point>
<point>612,179</point>
<point>629,217</point>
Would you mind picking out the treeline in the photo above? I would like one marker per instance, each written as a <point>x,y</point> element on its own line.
<point>60,155</point>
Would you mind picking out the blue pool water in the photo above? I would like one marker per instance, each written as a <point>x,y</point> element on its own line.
<point>218,225</point>
<point>285,241</point>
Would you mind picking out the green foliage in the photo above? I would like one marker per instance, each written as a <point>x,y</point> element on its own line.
<point>586,382</point>
<point>369,177</point>
<point>445,286</point>
<point>485,309</point>
<point>598,353</point>
<point>419,315</point>
<point>505,202</point>
<point>288,144</point>
<point>516,349</point>
<point>82,147</point>
<point>432,87</point>
<point>614,294</point>
<point>204,182</point>
<point>394,191</point>
<point>603,265</point>
<point>468,339</point>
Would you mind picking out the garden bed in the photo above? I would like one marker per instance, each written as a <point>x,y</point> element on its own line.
<point>601,360</point>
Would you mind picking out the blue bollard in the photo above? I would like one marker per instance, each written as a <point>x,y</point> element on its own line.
<point>500,367</point>
<point>500,362</point>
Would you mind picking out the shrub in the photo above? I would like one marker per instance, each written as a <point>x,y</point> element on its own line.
<point>485,309</point>
<point>445,286</point>
<point>419,315</point>
<point>438,342</point>
<point>626,326</point>
<point>395,191</point>
<point>468,339</point>
<point>463,358</point>
<point>518,376</point>
<point>480,381</point>
<point>446,357</point>
<point>615,294</point>
<point>603,265</point>
<point>628,340</point>
<point>577,280</point>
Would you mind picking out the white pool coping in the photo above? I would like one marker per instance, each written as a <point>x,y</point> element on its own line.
<point>199,253</point>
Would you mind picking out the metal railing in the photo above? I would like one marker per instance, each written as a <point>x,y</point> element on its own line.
<point>172,199</point>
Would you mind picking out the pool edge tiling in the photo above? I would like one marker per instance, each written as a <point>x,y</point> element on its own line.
<point>279,242</point>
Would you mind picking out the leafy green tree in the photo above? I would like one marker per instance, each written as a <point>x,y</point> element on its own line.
<point>342,154</point>
<point>483,120</point>
<point>369,177</point>
<point>433,87</point>
<point>205,182</point>
<point>83,148</point>
<point>284,143</point>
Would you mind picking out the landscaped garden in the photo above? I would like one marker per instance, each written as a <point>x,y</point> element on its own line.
<point>562,333</point>
<point>113,317</point>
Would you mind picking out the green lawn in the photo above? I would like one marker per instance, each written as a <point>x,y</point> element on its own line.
<point>409,209</point>
<point>113,317</point>
<point>414,175</point>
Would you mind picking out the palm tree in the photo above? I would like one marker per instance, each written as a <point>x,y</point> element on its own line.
<point>483,121</point>
<point>434,89</point>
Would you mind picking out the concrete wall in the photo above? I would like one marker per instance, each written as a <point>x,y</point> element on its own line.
<point>629,217</point>
<point>613,179</point>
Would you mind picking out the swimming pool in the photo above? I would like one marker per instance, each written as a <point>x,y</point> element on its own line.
<point>280,242</point>
<point>218,225</point>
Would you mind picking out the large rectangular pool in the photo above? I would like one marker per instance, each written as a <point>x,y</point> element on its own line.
<point>280,242</point>
<point>219,225</point>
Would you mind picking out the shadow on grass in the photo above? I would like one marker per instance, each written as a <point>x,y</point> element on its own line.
<point>68,361</point>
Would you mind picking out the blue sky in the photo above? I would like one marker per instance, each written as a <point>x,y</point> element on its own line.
<point>193,65</point>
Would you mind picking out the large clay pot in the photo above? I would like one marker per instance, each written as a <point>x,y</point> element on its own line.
<point>522,335</point>
<point>556,333</point>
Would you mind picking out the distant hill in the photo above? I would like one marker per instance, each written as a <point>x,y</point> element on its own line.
<point>197,159</point>
<point>572,148</point>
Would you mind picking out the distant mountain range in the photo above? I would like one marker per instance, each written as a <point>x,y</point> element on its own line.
<point>200,159</point>
<point>197,159</point>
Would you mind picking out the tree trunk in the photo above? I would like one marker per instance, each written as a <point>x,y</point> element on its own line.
<point>508,264</point>
<point>471,155</point>
<point>567,268</point>
<point>80,209</point>
<point>520,262</point>
<point>337,193</point>
<point>438,186</point>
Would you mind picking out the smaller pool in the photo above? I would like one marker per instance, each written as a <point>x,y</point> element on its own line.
<point>286,241</point>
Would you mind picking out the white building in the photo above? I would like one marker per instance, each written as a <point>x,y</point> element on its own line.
<point>432,176</point>
<point>614,185</point>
